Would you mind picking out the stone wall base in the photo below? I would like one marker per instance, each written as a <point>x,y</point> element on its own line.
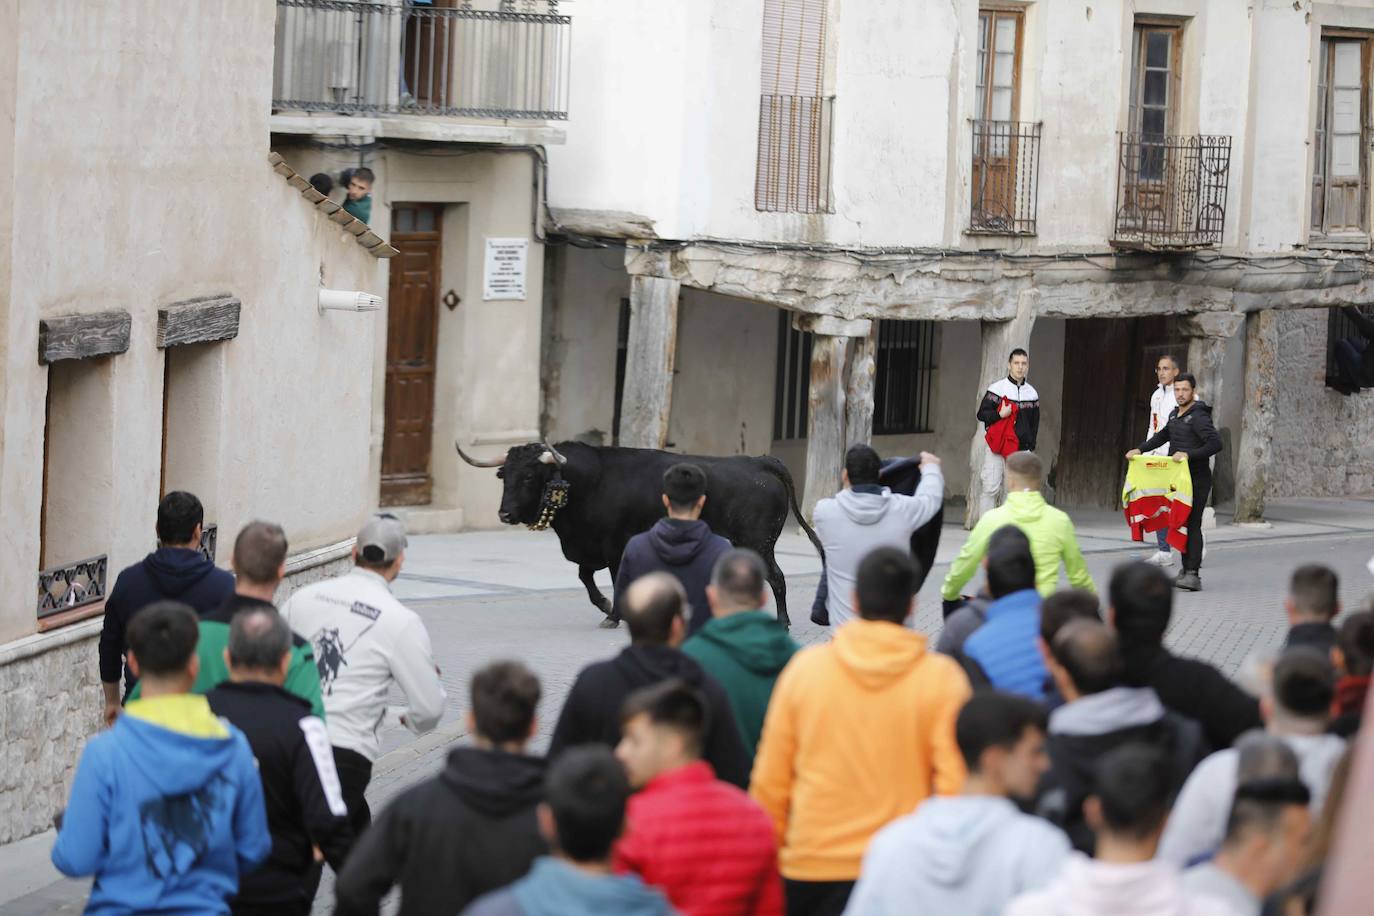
<point>50,703</point>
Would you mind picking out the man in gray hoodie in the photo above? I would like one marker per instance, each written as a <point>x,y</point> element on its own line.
<point>865,516</point>
<point>973,852</point>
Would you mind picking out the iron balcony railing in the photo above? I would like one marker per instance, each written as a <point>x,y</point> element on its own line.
<point>1171,191</point>
<point>1006,177</point>
<point>793,168</point>
<point>482,59</point>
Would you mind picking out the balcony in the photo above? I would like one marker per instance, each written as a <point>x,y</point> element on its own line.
<point>347,57</point>
<point>1006,178</point>
<point>1171,192</point>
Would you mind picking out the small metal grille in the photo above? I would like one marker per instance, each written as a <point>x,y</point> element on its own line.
<point>905,377</point>
<point>1006,177</point>
<point>75,585</point>
<point>622,353</point>
<point>792,388</point>
<point>1171,191</point>
<point>209,541</point>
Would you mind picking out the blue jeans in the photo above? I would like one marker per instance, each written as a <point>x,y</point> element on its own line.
<point>1162,539</point>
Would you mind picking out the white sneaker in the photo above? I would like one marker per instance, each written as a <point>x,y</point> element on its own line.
<point>1161,558</point>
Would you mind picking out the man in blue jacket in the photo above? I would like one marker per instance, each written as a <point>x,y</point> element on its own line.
<point>176,571</point>
<point>681,545</point>
<point>166,810</point>
<point>1002,653</point>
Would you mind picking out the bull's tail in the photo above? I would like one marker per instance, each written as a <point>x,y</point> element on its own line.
<point>779,470</point>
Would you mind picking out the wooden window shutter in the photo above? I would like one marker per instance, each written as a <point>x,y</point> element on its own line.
<point>793,168</point>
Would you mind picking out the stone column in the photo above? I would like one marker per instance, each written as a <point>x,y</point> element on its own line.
<point>650,354</point>
<point>828,418</point>
<point>999,339</point>
<point>1260,412</point>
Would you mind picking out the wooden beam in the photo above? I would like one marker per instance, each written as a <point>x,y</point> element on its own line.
<point>825,423</point>
<point>1259,415</point>
<point>198,321</point>
<point>650,355</point>
<point>861,368</point>
<point>83,336</point>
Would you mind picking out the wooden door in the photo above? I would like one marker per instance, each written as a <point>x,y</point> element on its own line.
<point>997,93</point>
<point>429,54</point>
<point>1156,58</point>
<point>1339,161</point>
<point>412,331</point>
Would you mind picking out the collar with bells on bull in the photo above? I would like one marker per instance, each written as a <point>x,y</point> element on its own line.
<point>555,495</point>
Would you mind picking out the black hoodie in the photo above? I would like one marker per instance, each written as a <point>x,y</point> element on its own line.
<point>450,839</point>
<point>1193,432</point>
<point>591,714</point>
<point>168,573</point>
<point>684,548</point>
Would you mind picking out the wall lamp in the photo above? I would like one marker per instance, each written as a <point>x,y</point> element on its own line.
<point>344,300</point>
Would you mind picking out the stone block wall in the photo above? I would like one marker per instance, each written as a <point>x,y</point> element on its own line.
<point>1321,441</point>
<point>50,703</point>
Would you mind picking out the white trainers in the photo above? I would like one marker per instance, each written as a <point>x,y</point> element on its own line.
<point>1161,558</point>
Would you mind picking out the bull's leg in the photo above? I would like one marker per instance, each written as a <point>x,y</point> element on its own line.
<point>587,575</point>
<point>612,615</point>
<point>779,584</point>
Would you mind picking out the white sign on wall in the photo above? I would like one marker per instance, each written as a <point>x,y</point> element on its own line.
<point>503,273</point>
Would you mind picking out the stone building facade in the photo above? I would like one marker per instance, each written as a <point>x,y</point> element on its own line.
<point>910,190</point>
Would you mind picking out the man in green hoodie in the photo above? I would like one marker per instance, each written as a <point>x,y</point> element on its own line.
<point>1049,530</point>
<point>742,646</point>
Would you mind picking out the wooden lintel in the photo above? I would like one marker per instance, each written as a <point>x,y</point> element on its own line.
<point>198,321</point>
<point>83,336</point>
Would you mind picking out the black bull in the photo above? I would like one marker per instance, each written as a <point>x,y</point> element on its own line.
<point>615,493</point>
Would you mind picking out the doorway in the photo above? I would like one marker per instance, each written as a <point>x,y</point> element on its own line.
<point>411,344</point>
<point>1104,418</point>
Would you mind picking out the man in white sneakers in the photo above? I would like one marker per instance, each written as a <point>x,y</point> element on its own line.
<point>365,640</point>
<point>1008,395</point>
<point>1162,403</point>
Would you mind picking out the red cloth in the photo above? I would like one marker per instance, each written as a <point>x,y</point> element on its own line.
<point>1350,694</point>
<point>1001,436</point>
<point>1147,514</point>
<point>705,843</point>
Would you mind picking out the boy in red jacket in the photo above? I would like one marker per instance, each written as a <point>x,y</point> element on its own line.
<point>704,842</point>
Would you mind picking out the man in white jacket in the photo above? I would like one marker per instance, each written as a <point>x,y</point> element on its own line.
<point>1132,786</point>
<point>1162,403</point>
<point>365,640</point>
<point>1296,710</point>
<point>865,516</point>
<point>973,852</point>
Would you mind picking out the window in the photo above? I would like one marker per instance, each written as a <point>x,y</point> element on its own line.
<point>1339,184</point>
<point>903,381</point>
<point>1154,93</point>
<point>1005,151</point>
<point>795,115</point>
<point>1338,328</point>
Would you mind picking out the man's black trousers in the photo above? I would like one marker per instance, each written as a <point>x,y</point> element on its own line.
<point>355,772</point>
<point>1201,473</point>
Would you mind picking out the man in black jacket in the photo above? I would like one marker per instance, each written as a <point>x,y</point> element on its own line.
<point>176,571</point>
<point>1141,603</point>
<point>654,608</point>
<point>470,830</point>
<point>681,544</point>
<point>1099,715</point>
<point>1192,438</point>
<point>305,805</point>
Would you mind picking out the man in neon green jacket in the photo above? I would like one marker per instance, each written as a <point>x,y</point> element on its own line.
<point>1049,530</point>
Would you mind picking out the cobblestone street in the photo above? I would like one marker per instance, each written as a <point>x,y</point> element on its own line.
<point>509,594</point>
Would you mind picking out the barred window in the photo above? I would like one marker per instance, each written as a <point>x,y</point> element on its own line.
<point>1338,328</point>
<point>904,379</point>
<point>796,116</point>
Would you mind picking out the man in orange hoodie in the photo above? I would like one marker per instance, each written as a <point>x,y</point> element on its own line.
<point>858,732</point>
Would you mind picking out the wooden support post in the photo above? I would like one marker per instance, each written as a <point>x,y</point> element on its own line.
<point>999,339</point>
<point>825,427</point>
<point>861,367</point>
<point>1208,334</point>
<point>1259,414</point>
<point>650,354</point>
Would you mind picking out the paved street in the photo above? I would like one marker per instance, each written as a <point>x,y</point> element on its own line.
<point>489,595</point>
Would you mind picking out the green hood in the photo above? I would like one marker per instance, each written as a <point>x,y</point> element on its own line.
<point>754,639</point>
<point>1025,506</point>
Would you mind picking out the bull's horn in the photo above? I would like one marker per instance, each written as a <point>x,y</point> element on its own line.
<point>557,456</point>
<point>493,463</point>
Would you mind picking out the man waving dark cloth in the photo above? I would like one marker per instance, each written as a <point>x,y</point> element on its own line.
<point>1193,438</point>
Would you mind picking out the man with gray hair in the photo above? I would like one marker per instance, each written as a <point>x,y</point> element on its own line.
<point>742,646</point>
<point>305,805</point>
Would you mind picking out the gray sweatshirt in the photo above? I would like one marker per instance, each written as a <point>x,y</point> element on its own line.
<point>852,525</point>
